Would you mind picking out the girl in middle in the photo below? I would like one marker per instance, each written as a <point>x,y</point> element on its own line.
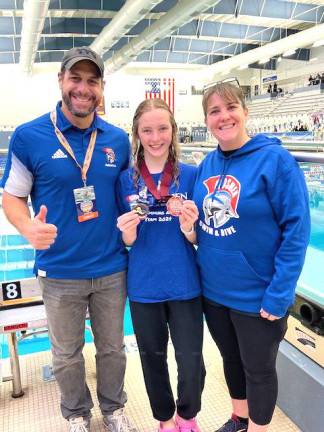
<point>163,281</point>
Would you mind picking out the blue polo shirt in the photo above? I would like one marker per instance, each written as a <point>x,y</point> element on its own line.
<point>39,166</point>
<point>162,262</point>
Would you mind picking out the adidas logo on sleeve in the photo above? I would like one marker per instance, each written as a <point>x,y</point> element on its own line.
<point>59,154</point>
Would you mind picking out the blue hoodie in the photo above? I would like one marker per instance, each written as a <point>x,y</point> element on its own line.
<point>253,227</point>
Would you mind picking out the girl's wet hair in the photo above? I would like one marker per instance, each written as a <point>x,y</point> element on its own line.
<point>226,91</point>
<point>137,148</point>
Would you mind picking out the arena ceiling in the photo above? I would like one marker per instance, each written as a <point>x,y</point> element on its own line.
<point>191,32</point>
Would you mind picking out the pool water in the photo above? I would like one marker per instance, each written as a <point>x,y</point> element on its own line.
<point>317,228</point>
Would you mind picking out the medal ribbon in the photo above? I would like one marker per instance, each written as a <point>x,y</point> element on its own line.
<point>67,147</point>
<point>166,180</point>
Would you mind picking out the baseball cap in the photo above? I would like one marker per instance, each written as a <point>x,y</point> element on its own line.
<point>75,55</point>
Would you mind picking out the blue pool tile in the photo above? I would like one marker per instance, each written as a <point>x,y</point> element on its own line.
<point>17,274</point>
<point>20,254</point>
<point>16,240</point>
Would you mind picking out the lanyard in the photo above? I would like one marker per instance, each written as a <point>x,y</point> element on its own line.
<point>67,147</point>
<point>166,180</point>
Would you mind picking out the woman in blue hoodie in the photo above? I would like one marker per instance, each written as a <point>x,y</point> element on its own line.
<point>252,235</point>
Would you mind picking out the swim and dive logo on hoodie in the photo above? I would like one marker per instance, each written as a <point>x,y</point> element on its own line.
<point>220,204</point>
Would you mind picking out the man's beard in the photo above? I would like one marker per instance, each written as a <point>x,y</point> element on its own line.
<point>82,114</point>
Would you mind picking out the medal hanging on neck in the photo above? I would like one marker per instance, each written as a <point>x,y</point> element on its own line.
<point>161,192</point>
<point>84,197</point>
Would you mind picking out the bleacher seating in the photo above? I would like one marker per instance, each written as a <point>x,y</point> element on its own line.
<point>284,113</point>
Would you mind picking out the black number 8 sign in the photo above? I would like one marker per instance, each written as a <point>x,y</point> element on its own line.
<point>11,290</point>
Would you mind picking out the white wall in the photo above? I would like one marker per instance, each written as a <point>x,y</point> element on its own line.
<point>125,86</point>
<point>26,97</point>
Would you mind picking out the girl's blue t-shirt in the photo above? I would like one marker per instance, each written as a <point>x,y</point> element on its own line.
<point>162,262</point>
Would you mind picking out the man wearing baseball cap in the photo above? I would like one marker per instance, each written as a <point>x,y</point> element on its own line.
<point>61,161</point>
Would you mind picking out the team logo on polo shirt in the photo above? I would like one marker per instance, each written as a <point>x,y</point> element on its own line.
<point>110,156</point>
<point>220,203</point>
<point>59,154</point>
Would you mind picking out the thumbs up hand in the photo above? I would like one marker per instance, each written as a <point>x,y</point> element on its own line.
<point>40,234</point>
<point>41,216</point>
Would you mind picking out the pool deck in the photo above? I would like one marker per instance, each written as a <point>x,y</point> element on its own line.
<point>38,410</point>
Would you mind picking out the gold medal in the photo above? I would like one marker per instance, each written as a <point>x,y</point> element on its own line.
<point>141,208</point>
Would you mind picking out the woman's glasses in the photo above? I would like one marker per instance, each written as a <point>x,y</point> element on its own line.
<point>233,81</point>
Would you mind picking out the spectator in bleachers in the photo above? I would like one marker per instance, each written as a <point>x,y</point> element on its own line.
<point>320,132</point>
<point>317,79</point>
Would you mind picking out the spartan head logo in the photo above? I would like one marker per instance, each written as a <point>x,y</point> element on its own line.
<point>220,204</point>
<point>110,155</point>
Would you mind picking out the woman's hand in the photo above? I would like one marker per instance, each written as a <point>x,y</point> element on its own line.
<point>189,215</point>
<point>127,223</point>
<point>268,316</point>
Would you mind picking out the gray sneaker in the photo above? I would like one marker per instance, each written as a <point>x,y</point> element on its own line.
<point>118,422</point>
<point>79,424</point>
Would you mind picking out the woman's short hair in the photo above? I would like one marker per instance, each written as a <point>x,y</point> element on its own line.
<point>226,91</point>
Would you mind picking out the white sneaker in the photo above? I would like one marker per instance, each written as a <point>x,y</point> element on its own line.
<point>118,422</point>
<point>79,424</point>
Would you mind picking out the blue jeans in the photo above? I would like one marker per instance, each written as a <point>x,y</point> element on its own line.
<point>66,302</point>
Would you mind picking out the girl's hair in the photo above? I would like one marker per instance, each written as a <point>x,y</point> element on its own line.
<point>226,91</point>
<point>137,148</point>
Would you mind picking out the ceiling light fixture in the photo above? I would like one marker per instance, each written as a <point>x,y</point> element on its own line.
<point>263,61</point>
<point>289,53</point>
<point>318,43</point>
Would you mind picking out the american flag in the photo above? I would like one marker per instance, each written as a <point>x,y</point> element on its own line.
<point>162,88</point>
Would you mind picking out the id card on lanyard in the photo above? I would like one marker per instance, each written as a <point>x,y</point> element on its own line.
<point>84,197</point>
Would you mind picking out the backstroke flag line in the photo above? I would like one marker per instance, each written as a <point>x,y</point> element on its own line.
<point>162,88</point>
